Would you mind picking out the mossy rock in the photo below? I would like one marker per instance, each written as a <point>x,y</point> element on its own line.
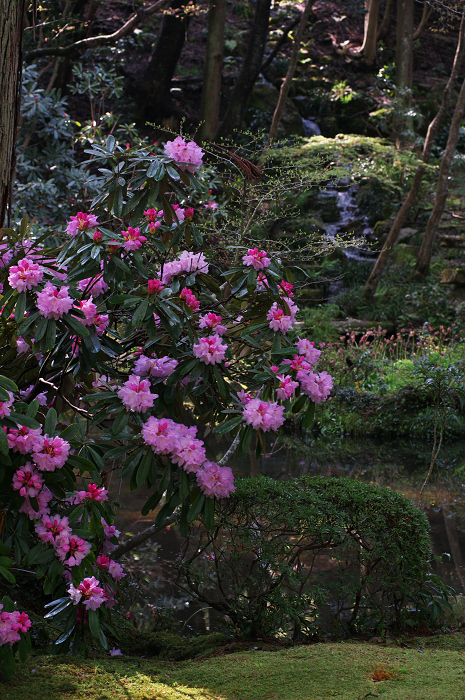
<point>404,254</point>
<point>376,198</point>
<point>264,100</point>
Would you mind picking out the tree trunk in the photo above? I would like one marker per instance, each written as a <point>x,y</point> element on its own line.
<point>11,30</point>
<point>283,93</point>
<point>250,70</point>
<point>384,27</point>
<point>370,33</point>
<point>375,276</point>
<point>426,250</point>
<point>404,66</point>
<point>211,91</point>
<point>156,81</point>
<point>425,15</point>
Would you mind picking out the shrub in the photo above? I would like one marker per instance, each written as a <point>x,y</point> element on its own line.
<point>310,555</point>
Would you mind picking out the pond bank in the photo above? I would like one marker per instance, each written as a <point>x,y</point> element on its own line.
<point>421,668</point>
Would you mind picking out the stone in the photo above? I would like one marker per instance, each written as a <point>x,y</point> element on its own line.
<point>451,241</point>
<point>453,275</point>
<point>403,254</point>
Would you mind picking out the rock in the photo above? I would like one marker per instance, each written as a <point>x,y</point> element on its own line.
<point>453,275</point>
<point>451,241</point>
<point>265,98</point>
<point>381,228</point>
<point>403,253</point>
<point>406,233</point>
<point>355,226</point>
<point>310,128</point>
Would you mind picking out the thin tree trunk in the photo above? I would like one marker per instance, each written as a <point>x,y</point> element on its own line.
<point>284,91</point>
<point>250,70</point>
<point>370,32</point>
<point>404,65</point>
<point>427,10</point>
<point>211,91</point>
<point>11,30</point>
<point>156,81</point>
<point>426,250</point>
<point>375,276</point>
<point>384,27</point>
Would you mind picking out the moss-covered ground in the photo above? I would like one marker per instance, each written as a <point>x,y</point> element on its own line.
<point>429,668</point>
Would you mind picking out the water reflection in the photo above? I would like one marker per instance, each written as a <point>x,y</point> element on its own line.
<point>398,464</point>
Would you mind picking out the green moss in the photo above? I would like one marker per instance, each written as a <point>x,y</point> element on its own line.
<point>312,672</point>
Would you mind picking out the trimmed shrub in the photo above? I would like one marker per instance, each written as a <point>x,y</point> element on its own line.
<point>313,555</point>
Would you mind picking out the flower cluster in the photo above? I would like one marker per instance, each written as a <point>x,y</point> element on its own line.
<point>88,593</point>
<point>256,259</point>
<point>210,350</point>
<point>11,624</point>
<point>159,367</point>
<point>189,263</point>
<point>212,321</point>
<point>53,302</point>
<point>190,299</point>
<point>136,395</point>
<point>132,239</point>
<point>25,275</point>
<point>81,222</point>
<point>188,155</point>
<point>263,415</point>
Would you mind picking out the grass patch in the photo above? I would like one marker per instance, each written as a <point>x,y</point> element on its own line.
<point>317,672</point>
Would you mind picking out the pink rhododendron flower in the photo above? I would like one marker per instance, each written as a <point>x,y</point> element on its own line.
<point>189,453</point>
<point>5,254</point>
<point>189,214</point>
<point>286,387</point>
<point>278,320</point>
<point>243,397</point>
<point>317,386</point>
<point>190,263</point>
<point>215,481</point>
<point>256,259</point>
<point>53,302</point>
<point>27,481</point>
<point>115,569</point>
<point>211,205</point>
<point>263,415</point>
<point>190,299</point>
<point>25,275</point>
<point>154,286</point>
<point>5,406</point>
<point>113,246</point>
<point>210,350</point>
<point>22,346</point>
<point>135,394</point>
<point>51,527</point>
<point>81,222</point>
<point>50,453</point>
<point>88,593</point>
<point>101,322</point>
<point>93,493</point>
<point>133,239</point>
<point>93,285</point>
<point>151,215</point>
<point>110,532</point>
<point>97,237</point>
<point>71,550</point>
<point>153,226</point>
<point>11,624</point>
<point>187,155</point>
<point>24,440</point>
<point>286,288</point>
<point>212,321</point>
<point>157,367</point>
<point>43,499</point>
<point>308,350</point>
<point>89,310</point>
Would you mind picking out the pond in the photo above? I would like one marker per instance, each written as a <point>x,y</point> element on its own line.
<point>399,464</point>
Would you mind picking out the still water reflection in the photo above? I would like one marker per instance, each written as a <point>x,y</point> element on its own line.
<point>398,464</point>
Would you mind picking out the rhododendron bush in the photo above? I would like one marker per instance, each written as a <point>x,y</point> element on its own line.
<point>125,342</point>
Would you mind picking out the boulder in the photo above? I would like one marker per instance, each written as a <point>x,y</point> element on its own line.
<point>453,275</point>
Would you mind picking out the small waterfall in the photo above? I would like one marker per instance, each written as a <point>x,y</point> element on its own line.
<point>351,220</point>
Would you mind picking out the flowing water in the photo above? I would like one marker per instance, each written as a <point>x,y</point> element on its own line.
<point>399,464</point>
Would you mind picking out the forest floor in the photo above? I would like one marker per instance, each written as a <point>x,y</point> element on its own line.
<point>424,669</point>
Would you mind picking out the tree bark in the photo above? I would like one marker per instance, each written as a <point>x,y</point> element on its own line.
<point>368,49</point>
<point>284,91</point>
<point>404,65</point>
<point>157,77</point>
<point>375,276</point>
<point>384,27</point>
<point>250,70</point>
<point>11,30</point>
<point>211,91</point>
<point>426,250</point>
<point>425,15</point>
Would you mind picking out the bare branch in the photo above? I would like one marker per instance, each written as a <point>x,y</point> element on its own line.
<point>100,40</point>
<point>135,541</point>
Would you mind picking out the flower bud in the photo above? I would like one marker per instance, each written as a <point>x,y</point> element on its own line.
<point>189,214</point>
<point>97,237</point>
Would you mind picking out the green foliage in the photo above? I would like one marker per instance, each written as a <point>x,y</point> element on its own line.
<point>309,556</point>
